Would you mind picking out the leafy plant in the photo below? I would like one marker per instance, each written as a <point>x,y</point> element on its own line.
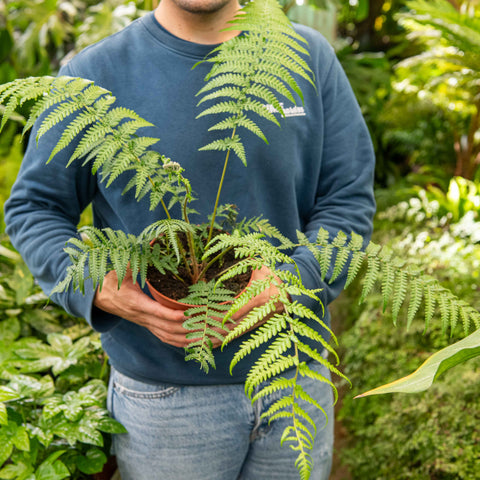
<point>247,71</point>
<point>444,76</point>
<point>431,434</point>
<point>53,420</point>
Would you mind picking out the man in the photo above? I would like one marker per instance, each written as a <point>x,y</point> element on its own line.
<point>316,172</point>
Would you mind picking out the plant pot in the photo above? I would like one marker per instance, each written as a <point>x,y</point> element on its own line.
<point>176,305</point>
<point>169,302</point>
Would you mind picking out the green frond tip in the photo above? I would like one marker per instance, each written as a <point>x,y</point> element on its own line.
<point>254,70</point>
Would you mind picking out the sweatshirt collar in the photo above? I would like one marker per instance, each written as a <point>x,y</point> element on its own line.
<point>172,42</point>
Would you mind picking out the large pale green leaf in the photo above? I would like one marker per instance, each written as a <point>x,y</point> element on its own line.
<point>422,378</point>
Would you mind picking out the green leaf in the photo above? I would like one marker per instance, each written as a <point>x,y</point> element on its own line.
<point>433,367</point>
<point>109,425</point>
<point>7,394</point>
<point>21,439</point>
<point>9,329</point>
<point>3,415</point>
<point>92,462</point>
<point>7,448</point>
<point>52,471</point>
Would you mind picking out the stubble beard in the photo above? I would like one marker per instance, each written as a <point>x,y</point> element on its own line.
<point>201,6</point>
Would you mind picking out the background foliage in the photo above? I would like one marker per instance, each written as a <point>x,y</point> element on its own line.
<point>412,68</point>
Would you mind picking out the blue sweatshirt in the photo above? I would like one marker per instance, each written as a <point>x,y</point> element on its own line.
<point>317,171</point>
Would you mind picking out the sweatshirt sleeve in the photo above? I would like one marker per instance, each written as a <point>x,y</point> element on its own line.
<point>42,214</point>
<point>344,198</point>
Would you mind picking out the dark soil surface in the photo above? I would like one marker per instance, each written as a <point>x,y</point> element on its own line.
<point>176,289</point>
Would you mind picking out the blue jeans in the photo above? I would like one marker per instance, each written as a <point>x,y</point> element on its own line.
<point>211,432</point>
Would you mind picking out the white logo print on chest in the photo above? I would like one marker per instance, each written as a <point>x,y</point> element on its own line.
<point>295,111</point>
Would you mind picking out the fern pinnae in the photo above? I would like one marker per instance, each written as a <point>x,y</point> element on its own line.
<point>454,315</point>
<point>239,121</point>
<point>280,404</point>
<point>266,95</point>
<point>303,312</point>
<point>91,139</point>
<point>303,395</point>
<point>252,290</point>
<point>314,355</point>
<point>430,302</point>
<point>305,371</point>
<point>259,336</point>
<point>222,80</point>
<point>255,316</point>
<point>341,259</point>
<point>270,364</point>
<point>443,304</point>
<point>464,317</point>
<point>76,126</point>
<point>273,82</point>
<point>474,315</point>
<point>288,59</point>
<point>399,294</point>
<point>301,328</point>
<point>102,153</point>
<point>416,296</point>
<point>373,269</point>
<point>272,360</point>
<point>231,92</point>
<point>62,111</point>
<point>388,283</point>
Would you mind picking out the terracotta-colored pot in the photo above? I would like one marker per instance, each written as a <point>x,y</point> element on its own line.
<point>167,301</point>
<point>174,304</point>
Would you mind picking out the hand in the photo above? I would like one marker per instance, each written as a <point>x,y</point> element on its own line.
<point>129,302</point>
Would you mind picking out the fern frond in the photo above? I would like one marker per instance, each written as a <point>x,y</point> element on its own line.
<point>254,69</point>
<point>105,135</point>
<point>205,321</point>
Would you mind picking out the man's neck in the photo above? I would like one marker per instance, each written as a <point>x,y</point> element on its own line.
<point>197,27</point>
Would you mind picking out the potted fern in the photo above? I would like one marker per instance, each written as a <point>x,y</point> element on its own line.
<point>250,71</point>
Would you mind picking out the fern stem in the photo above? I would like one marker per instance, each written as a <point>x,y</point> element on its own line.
<point>191,246</point>
<point>211,262</point>
<point>219,190</point>
<point>297,362</point>
<point>163,203</point>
